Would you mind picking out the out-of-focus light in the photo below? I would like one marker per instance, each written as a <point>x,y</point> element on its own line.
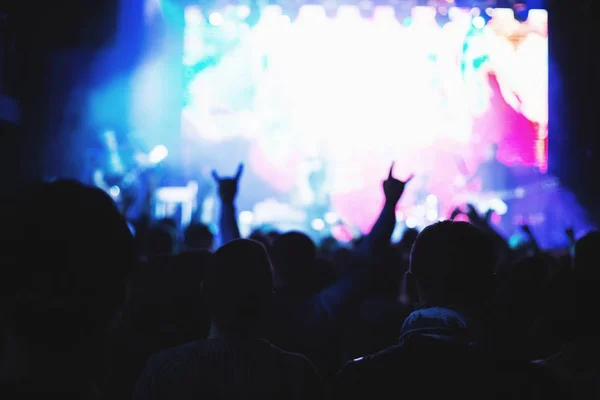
<point>478,22</point>
<point>131,228</point>
<point>475,11</point>
<point>114,191</point>
<point>400,216</point>
<point>411,223</point>
<point>385,14</point>
<point>331,218</point>
<point>243,12</point>
<point>420,211</point>
<point>432,200</point>
<point>407,21</point>
<point>423,14</point>
<point>348,12</point>
<point>312,12</point>
<point>318,224</point>
<point>246,217</point>
<point>193,15</point>
<point>216,19</point>
<point>498,206</point>
<point>505,14</point>
<point>365,5</point>
<point>432,215</point>
<point>489,11</point>
<point>158,154</point>
<point>286,19</point>
<point>519,193</point>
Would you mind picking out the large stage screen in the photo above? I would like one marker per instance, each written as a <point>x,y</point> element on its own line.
<point>319,104</point>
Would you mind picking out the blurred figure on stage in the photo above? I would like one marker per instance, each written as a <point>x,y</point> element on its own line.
<point>493,174</point>
<point>122,171</point>
<point>497,187</point>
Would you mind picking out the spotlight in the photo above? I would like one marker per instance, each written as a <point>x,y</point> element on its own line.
<point>243,12</point>
<point>479,22</point>
<point>216,19</point>
<point>158,154</point>
<point>246,217</point>
<point>432,215</point>
<point>331,218</point>
<point>318,224</point>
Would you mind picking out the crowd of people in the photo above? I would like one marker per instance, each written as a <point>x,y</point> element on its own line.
<point>90,311</point>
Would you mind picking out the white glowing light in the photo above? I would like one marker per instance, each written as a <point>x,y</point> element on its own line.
<point>115,191</point>
<point>243,12</point>
<point>478,22</point>
<point>331,218</point>
<point>432,200</point>
<point>158,154</point>
<point>216,19</point>
<point>318,224</point>
<point>246,217</point>
<point>432,215</point>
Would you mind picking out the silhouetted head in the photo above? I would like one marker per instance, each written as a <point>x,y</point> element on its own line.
<point>68,254</point>
<point>452,265</point>
<point>161,241</point>
<point>294,254</point>
<point>238,286</point>
<point>198,237</point>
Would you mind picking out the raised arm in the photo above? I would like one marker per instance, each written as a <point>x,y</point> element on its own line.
<point>228,226</point>
<point>381,232</point>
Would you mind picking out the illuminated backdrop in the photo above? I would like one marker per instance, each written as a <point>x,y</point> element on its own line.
<point>353,94</point>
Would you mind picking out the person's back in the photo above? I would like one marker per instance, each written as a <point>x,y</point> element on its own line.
<point>234,362</point>
<point>68,254</point>
<point>228,368</point>
<point>444,346</point>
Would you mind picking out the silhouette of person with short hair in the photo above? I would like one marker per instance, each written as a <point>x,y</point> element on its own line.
<point>69,253</point>
<point>443,348</point>
<point>234,362</point>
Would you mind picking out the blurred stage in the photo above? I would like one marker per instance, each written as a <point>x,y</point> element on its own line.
<point>318,102</point>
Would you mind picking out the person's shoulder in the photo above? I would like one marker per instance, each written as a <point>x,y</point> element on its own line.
<point>295,359</point>
<point>175,354</point>
<point>383,360</point>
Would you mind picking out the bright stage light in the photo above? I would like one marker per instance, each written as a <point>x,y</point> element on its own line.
<point>216,19</point>
<point>478,22</point>
<point>243,12</point>
<point>411,223</point>
<point>246,217</point>
<point>432,215</point>
<point>318,224</point>
<point>498,206</point>
<point>158,154</point>
<point>115,191</point>
<point>331,218</point>
<point>432,200</point>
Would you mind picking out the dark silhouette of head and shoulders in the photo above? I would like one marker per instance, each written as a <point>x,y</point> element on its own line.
<point>443,345</point>
<point>70,253</point>
<point>234,361</point>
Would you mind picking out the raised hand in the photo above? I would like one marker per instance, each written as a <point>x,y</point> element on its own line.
<point>455,213</point>
<point>393,188</point>
<point>228,186</point>
<point>570,234</point>
<point>526,229</point>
